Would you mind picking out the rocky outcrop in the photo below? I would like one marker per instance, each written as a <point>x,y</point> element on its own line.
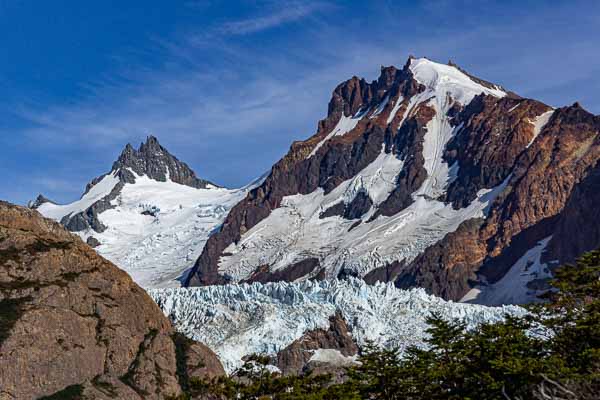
<point>558,166</point>
<point>355,209</point>
<point>577,230</point>
<point>74,324</point>
<point>299,357</point>
<point>294,271</point>
<point>493,133</point>
<point>445,268</point>
<point>41,199</point>
<point>88,219</point>
<point>408,145</point>
<point>92,241</point>
<point>154,161</point>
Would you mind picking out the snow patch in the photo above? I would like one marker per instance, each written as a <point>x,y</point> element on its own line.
<point>155,230</point>
<point>381,106</point>
<point>395,109</point>
<point>156,250</point>
<point>448,80</point>
<point>512,288</point>
<point>294,231</point>
<point>96,192</point>
<point>539,123</point>
<point>332,356</point>
<point>344,125</point>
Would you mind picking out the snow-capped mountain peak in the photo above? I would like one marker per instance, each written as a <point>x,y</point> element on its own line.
<point>442,80</point>
<point>150,214</point>
<point>427,176</point>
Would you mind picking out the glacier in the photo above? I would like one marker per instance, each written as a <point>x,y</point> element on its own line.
<point>240,319</point>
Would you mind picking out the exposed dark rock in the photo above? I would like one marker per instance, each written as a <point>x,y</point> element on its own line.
<point>39,201</point>
<point>494,268</point>
<point>92,241</point>
<point>544,178</point>
<point>359,206</point>
<point>295,358</point>
<point>408,145</point>
<point>494,133</point>
<point>290,273</point>
<point>154,161</point>
<point>73,323</point>
<point>577,230</point>
<point>445,268</point>
<point>337,209</point>
<point>88,219</point>
<point>387,273</point>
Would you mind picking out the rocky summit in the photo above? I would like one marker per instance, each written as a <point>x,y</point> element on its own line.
<point>74,325</point>
<point>426,177</point>
<point>150,159</point>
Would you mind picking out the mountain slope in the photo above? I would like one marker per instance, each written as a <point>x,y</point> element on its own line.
<point>150,214</point>
<point>427,177</point>
<point>70,319</point>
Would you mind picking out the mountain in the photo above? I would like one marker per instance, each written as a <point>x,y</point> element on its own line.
<point>73,325</point>
<point>427,177</point>
<point>150,214</point>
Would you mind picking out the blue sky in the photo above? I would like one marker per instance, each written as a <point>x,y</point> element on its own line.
<point>227,86</point>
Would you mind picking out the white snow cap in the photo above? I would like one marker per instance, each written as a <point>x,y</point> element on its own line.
<point>443,79</point>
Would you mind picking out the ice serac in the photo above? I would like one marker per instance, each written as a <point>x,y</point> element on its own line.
<point>71,319</point>
<point>150,214</point>
<point>427,176</point>
<point>241,319</point>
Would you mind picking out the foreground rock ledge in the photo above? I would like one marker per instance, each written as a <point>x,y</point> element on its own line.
<point>71,321</point>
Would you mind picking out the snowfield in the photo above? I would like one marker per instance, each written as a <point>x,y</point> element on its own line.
<point>237,320</point>
<point>156,230</point>
<point>157,249</point>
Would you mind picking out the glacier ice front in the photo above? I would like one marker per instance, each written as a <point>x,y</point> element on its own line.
<point>237,320</point>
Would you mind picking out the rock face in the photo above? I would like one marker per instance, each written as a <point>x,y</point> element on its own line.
<point>71,321</point>
<point>427,177</point>
<point>150,159</point>
<point>303,353</point>
<point>154,161</point>
<point>558,165</point>
<point>92,241</point>
<point>574,234</point>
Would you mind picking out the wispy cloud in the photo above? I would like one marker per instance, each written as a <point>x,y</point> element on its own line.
<point>286,13</point>
<point>230,107</point>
